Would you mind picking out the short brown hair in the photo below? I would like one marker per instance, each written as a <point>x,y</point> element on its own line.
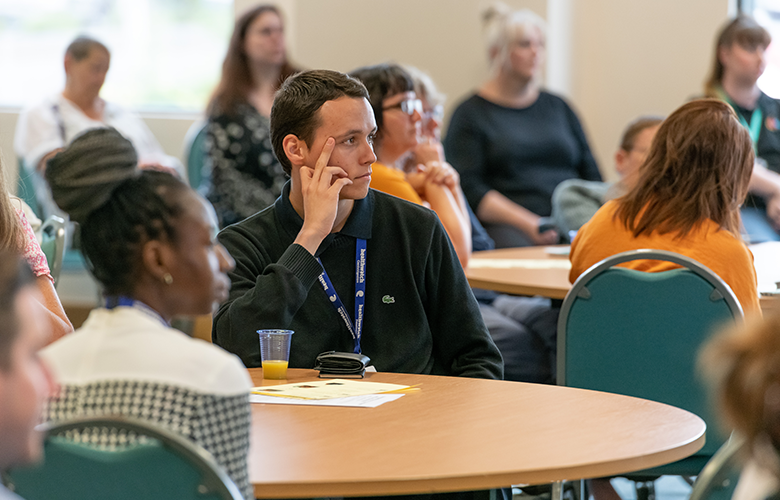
<point>698,168</point>
<point>746,32</point>
<point>15,274</point>
<point>298,102</point>
<point>80,48</point>
<point>635,128</point>
<point>743,366</point>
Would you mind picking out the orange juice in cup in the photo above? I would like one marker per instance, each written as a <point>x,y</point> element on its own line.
<point>275,352</point>
<point>275,369</point>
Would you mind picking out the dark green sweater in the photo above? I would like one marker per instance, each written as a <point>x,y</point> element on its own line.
<point>420,314</point>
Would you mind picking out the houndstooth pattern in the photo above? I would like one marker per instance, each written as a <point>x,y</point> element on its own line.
<point>220,424</point>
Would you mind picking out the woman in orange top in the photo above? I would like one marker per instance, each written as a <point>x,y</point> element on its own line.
<point>686,200</point>
<point>398,111</point>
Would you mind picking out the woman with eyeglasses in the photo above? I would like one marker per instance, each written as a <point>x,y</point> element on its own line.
<point>432,182</point>
<point>511,141</point>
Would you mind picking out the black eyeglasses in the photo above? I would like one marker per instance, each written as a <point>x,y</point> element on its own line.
<point>408,106</point>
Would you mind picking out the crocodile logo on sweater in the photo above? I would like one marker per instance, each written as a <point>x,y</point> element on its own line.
<point>387,299</point>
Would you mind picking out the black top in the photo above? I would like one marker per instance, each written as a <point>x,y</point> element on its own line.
<point>521,153</point>
<point>246,177</point>
<point>420,315</point>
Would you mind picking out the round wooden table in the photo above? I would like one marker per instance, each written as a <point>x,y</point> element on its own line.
<point>537,271</point>
<point>459,434</point>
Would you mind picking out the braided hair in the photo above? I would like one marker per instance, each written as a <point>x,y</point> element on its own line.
<point>119,207</point>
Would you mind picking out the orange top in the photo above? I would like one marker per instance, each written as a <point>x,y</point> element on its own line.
<point>392,181</point>
<point>715,248</point>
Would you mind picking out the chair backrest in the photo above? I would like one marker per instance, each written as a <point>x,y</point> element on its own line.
<point>636,333</point>
<point>53,231</point>
<point>132,459</point>
<point>25,189</point>
<point>198,169</point>
<point>719,477</point>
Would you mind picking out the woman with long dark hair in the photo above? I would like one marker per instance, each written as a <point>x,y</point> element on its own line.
<point>246,176</point>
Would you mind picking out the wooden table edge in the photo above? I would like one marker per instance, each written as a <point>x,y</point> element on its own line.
<point>496,480</point>
<point>516,289</point>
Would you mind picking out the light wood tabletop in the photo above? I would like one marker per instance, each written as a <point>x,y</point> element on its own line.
<point>545,271</point>
<point>521,271</point>
<point>459,434</point>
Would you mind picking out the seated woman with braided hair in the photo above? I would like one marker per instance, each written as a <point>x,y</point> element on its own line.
<point>150,241</point>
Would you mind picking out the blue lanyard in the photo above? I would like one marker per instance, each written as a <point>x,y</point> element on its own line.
<point>754,128</point>
<point>360,293</point>
<point>112,302</point>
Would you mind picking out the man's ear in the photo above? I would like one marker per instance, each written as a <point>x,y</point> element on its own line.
<point>67,63</point>
<point>155,255</point>
<point>295,149</point>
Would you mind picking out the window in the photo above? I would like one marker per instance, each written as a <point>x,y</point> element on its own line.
<point>767,14</point>
<point>166,55</point>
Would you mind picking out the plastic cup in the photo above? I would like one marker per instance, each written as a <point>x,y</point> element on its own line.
<point>275,352</point>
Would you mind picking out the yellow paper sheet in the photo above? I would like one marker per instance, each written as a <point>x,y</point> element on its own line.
<point>327,389</point>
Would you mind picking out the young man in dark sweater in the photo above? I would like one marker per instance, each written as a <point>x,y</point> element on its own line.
<point>345,267</point>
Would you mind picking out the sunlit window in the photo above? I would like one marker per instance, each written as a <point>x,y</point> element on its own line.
<point>166,55</point>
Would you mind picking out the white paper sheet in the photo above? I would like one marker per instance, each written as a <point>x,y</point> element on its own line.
<point>477,263</point>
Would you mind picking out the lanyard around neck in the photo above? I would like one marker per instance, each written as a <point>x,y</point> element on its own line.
<point>754,128</point>
<point>355,329</point>
<point>124,301</point>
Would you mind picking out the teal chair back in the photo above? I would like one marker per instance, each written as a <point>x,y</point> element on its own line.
<point>636,333</point>
<point>198,169</point>
<point>25,189</point>
<point>53,231</point>
<point>157,464</point>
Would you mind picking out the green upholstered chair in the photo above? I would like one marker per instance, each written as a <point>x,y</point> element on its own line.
<point>636,333</point>
<point>156,464</point>
<point>53,243</point>
<point>719,477</point>
<point>26,189</point>
<point>198,170</point>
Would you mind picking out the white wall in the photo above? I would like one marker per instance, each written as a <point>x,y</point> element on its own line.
<point>613,59</point>
<point>632,57</point>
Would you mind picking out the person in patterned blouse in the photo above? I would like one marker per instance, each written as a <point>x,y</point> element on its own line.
<point>17,235</point>
<point>245,175</point>
<point>150,242</point>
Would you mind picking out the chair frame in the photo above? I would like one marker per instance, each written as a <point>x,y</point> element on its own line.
<point>214,480</point>
<point>58,226</point>
<point>580,291</point>
<point>712,473</point>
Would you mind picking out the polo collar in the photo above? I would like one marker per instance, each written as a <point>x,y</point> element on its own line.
<point>358,225</point>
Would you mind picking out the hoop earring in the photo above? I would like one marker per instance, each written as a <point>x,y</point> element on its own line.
<point>167,279</point>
